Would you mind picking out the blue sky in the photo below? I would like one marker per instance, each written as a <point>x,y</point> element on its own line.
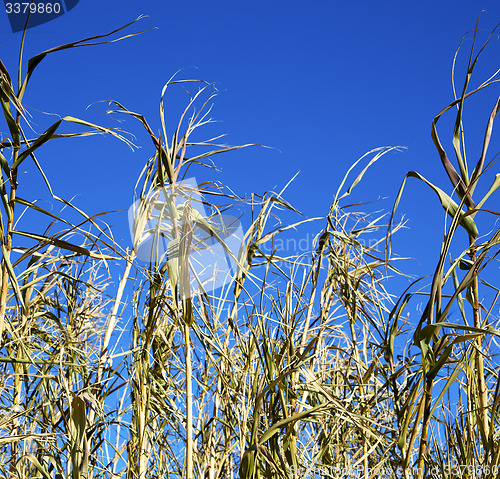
<point>321,82</point>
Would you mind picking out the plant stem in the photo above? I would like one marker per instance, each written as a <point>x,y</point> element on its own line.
<point>189,405</point>
<point>3,301</point>
<point>483,392</point>
<point>8,243</point>
<point>428,384</point>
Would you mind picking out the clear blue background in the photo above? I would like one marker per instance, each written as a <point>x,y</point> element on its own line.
<point>321,82</point>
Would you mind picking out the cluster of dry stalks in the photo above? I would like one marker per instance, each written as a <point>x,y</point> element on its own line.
<point>296,367</point>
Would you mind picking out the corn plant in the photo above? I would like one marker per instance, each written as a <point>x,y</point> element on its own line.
<point>52,306</point>
<point>455,344</point>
